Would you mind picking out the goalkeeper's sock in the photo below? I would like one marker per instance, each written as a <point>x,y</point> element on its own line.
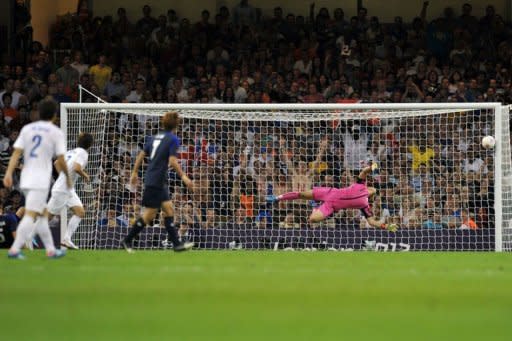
<point>135,230</point>
<point>289,196</point>
<point>171,230</point>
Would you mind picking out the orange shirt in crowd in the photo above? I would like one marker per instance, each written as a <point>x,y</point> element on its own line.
<point>11,113</point>
<point>469,223</point>
<point>247,202</point>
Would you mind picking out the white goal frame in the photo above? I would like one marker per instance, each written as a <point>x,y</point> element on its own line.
<point>501,116</point>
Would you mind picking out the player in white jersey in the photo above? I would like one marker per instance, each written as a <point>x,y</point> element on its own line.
<point>76,161</point>
<point>39,142</point>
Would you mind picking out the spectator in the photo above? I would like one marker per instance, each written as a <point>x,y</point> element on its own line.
<point>421,154</point>
<point>135,96</point>
<point>146,24</point>
<point>473,163</point>
<point>211,219</point>
<point>101,73</point>
<point>240,92</point>
<point>467,223</point>
<point>67,74</point>
<point>244,14</point>
<point>15,95</point>
<point>123,28</point>
<point>355,142</point>
<point>172,19</point>
<point>42,68</point>
<point>115,88</point>
<point>8,112</point>
<point>111,220</point>
<point>289,222</point>
<point>60,96</point>
<point>313,96</point>
<point>433,220</point>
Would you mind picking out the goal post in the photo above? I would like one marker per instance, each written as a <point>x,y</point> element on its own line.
<point>435,180</point>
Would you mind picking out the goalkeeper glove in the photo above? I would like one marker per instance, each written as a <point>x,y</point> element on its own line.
<point>390,227</point>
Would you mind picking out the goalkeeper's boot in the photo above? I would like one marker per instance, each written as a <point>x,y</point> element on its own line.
<point>272,199</point>
<point>185,246</point>
<point>69,244</point>
<point>127,247</point>
<point>16,255</point>
<point>56,254</point>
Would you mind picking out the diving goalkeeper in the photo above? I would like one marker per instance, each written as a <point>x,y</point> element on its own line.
<point>355,196</point>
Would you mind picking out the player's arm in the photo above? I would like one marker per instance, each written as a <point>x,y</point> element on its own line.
<point>374,222</point>
<point>13,163</point>
<point>136,167</point>
<point>60,165</point>
<point>80,171</point>
<point>174,164</point>
<point>365,172</point>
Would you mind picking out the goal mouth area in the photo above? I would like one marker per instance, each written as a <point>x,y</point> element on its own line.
<point>249,143</point>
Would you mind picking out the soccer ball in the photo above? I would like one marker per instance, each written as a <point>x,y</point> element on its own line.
<point>488,142</point>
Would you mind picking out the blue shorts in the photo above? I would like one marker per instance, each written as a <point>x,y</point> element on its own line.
<point>153,197</point>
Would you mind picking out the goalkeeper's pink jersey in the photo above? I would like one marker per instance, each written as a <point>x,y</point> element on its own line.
<point>354,196</point>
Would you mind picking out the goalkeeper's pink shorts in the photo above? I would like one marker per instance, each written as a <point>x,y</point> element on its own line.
<point>335,199</point>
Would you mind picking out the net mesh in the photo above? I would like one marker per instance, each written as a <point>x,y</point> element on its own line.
<point>435,180</point>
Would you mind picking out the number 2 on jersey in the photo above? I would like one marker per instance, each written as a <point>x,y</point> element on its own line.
<point>156,143</point>
<point>37,143</point>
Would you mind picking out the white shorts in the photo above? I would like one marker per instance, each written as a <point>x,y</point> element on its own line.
<point>59,200</point>
<point>35,200</point>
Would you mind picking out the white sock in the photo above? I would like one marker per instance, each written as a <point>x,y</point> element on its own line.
<point>43,230</point>
<point>72,226</point>
<point>24,232</point>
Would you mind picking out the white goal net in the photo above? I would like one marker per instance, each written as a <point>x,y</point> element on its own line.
<point>435,180</point>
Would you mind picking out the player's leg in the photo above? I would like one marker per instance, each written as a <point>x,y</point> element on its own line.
<point>44,232</point>
<point>321,213</point>
<point>151,201</point>
<point>148,215</point>
<point>35,220</point>
<point>178,246</point>
<point>24,232</point>
<point>36,201</point>
<point>74,221</point>
<point>78,213</point>
<point>30,242</point>
<point>56,204</point>
<point>306,195</point>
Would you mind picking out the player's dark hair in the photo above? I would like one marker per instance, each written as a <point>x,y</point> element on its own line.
<point>170,120</point>
<point>85,140</point>
<point>47,109</point>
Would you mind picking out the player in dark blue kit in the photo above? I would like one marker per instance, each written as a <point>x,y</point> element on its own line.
<point>161,150</point>
<point>8,223</point>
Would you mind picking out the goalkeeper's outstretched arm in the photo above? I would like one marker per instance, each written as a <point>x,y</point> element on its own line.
<point>365,172</point>
<point>374,222</point>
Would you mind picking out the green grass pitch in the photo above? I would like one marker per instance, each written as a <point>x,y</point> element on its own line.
<point>237,295</point>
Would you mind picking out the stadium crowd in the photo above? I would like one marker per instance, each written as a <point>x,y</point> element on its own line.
<point>441,179</point>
